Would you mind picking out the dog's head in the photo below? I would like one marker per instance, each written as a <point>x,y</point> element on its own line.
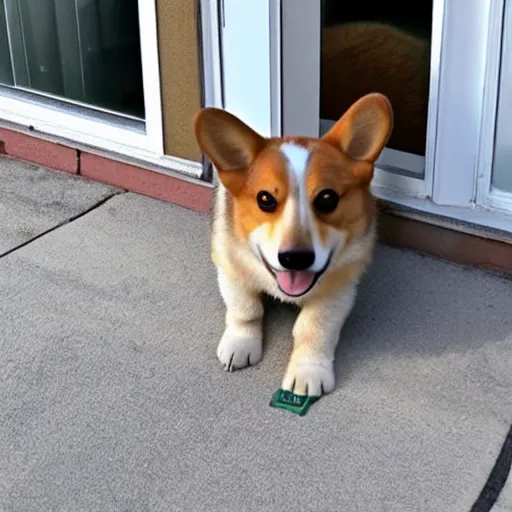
<point>299,201</point>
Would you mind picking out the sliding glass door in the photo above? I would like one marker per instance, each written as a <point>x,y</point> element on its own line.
<point>294,66</point>
<point>84,70</point>
<point>86,51</point>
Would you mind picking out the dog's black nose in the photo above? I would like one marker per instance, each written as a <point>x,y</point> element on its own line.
<point>296,260</point>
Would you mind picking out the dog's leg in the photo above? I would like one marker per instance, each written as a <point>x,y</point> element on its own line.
<point>315,335</point>
<point>241,344</point>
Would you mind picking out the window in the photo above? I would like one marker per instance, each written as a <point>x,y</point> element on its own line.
<point>83,70</point>
<point>83,51</point>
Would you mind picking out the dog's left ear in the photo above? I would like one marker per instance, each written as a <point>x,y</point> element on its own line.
<point>363,131</point>
<point>230,144</point>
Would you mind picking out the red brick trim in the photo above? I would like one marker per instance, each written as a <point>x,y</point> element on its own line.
<point>129,177</point>
<point>39,151</point>
<point>445,243</point>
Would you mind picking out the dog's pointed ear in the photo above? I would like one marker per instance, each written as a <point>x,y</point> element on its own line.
<point>363,131</point>
<point>229,143</point>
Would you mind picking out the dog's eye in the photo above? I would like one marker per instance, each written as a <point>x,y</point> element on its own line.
<point>266,201</point>
<point>326,201</point>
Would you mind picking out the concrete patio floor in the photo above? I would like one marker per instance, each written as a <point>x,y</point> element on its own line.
<point>111,396</point>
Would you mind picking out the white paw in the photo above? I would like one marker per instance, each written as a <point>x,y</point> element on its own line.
<point>237,352</point>
<point>304,377</point>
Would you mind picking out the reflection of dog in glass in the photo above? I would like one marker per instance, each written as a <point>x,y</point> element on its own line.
<point>358,58</point>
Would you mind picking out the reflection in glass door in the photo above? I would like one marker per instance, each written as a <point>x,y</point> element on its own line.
<point>86,51</point>
<point>369,46</point>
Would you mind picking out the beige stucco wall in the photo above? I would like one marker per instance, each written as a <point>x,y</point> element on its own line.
<point>179,71</point>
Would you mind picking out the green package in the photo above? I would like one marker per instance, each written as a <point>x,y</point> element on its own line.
<point>298,404</point>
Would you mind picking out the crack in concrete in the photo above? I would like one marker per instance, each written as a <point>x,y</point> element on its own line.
<point>63,223</point>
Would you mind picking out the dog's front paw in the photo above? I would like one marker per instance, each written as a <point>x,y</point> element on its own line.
<point>237,352</point>
<point>305,377</point>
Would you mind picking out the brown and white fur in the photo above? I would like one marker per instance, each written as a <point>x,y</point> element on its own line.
<point>268,206</point>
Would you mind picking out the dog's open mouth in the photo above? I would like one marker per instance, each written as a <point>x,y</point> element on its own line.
<point>295,283</point>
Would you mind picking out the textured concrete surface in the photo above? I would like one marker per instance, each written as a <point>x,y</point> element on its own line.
<point>33,200</point>
<point>111,397</point>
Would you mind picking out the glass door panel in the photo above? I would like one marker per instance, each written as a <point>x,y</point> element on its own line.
<point>86,51</point>
<point>6,75</point>
<point>369,46</point>
<point>502,168</point>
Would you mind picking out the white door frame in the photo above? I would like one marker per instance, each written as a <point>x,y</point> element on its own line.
<point>263,83</point>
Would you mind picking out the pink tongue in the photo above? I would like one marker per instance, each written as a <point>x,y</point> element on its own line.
<point>295,283</point>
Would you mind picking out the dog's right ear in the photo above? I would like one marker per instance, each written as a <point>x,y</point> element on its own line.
<point>229,143</point>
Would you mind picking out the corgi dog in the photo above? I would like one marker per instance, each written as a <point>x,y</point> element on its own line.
<point>295,219</point>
